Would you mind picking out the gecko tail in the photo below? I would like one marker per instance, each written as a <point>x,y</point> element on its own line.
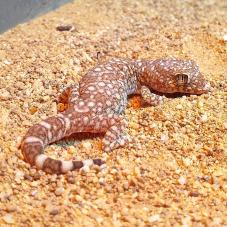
<point>44,133</point>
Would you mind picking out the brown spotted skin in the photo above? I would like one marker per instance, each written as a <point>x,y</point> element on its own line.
<point>98,102</point>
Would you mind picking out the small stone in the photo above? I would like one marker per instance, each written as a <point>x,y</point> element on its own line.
<point>154,218</point>
<point>113,171</point>
<point>188,161</point>
<point>78,198</point>
<point>66,27</point>
<point>54,211</point>
<point>179,106</point>
<point>108,188</point>
<point>225,38</point>
<point>59,191</point>
<point>204,118</point>
<point>6,62</point>
<point>103,168</point>
<point>99,219</point>
<point>193,194</point>
<point>182,180</point>
<point>34,183</point>
<point>28,177</point>
<point>217,221</point>
<point>101,181</point>
<point>219,172</point>
<point>34,193</point>
<point>126,185</point>
<point>33,109</point>
<point>137,171</point>
<point>200,104</point>
<point>85,169</point>
<point>8,218</point>
<point>19,174</point>
<point>4,95</point>
<point>87,145</point>
<point>87,57</point>
<point>164,138</point>
<point>225,125</point>
<point>11,208</point>
<point>71,180</point>
<point>186,221</point>
<point>36,176</point>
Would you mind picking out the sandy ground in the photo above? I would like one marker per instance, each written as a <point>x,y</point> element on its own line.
<point>173,173</point>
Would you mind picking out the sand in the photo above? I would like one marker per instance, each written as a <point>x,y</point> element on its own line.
<point>173,173</point>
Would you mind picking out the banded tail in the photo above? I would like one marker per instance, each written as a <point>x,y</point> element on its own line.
<point>48,131</point>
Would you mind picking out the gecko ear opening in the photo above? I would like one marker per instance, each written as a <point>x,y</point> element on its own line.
<point>182,78</point>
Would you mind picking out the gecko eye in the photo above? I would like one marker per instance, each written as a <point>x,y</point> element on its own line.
<point>182,79</point>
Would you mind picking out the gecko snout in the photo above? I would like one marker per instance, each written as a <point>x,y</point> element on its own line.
<point>201,86</point>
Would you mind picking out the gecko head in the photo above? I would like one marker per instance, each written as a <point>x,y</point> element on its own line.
<point>181,76</point>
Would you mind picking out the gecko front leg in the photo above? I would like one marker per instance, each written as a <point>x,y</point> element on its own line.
<point>149,97</point>
<point>116,135</point>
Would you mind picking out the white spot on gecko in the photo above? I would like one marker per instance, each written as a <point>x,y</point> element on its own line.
<point>33,139</point>
<point>40,159</point>
<point>66,166</point>
<point>97,69</point>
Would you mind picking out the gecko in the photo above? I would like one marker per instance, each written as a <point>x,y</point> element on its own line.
<point>97,104</point>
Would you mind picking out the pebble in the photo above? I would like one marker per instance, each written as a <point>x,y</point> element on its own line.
<point>6,62</point>
<point>187,161</point>
<point>182,180</point>
<point>126,185</point>
<point>87,145</point>
<point>204,118</point>
<point>186,221</point>
<point>66,27</point>
<point>59,191</point>
<point>179,106</point>
<point>164,138</point>
<point>99,219</point>
<point>200,104</point>
<point>225,38</point>
<point>154,218</point>
<point>193,194</point>
<point>19,175</point>
<point>34,183</point>
<point>136,171</point>
<point>85,169</point>
<point>101,181</point>
<point>54,211</point>
<point>4,95</point>
<point>71,180</point>
<point>34,193</point>
<point>8,218</point>
<point>11,208</point>
<point>225,125</point>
